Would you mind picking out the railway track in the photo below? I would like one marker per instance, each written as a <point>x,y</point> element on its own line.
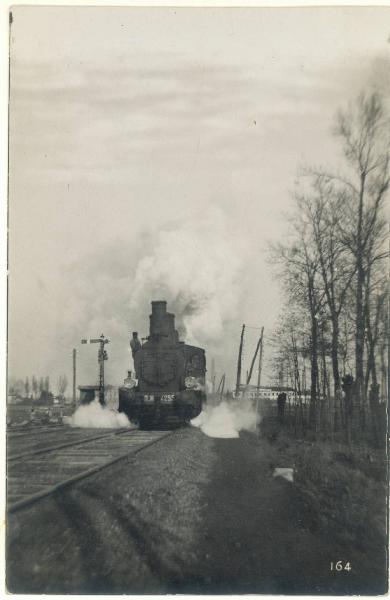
<point>32,430</point>
<point>39,472</point>
<point>20,444</point>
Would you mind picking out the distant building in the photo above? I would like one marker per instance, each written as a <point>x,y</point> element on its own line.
<point>14,399</point>
<point>268,392</point>
<point>88,393</point>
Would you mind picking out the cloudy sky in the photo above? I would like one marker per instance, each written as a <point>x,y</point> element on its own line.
<point>152,154</point>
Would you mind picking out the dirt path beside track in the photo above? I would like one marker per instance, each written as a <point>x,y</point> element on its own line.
<point>259,532</point>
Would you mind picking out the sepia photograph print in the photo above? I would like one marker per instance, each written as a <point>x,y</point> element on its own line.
<point>198,309</point>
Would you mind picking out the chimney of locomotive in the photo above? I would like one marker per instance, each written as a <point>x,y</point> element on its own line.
<point>162,323</point>
<point>158,319</point>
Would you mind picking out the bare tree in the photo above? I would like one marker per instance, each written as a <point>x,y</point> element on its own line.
<point>375,307</point>
<point>62,384</point>
<point>286,358</point>
<point>364,131</point>
<point>321,208</point>
<point>27,387</point>
<point>299,266</point>
<point>346,214</point>
<point>34,385</point>
<point>332,265</point>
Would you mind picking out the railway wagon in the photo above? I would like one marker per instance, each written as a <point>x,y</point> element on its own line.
<point>169,384</point>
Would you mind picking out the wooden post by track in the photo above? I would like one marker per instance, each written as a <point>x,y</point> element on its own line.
<point>238,380</point>
<point>249,375</point>
<point>74,377</point>
<point>259,374</point>
<point>221,387</point>
<point>212,376</point>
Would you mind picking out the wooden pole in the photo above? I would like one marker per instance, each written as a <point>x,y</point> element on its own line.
<point>74,377</point>
<point>259,374</point>
<point>253,361</point>
<point>260,358</point>
<point>222,385</point>
<point>238,381</point>
<point>212,376</point>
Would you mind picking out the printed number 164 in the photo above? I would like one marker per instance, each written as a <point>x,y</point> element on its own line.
<point>340,566</point>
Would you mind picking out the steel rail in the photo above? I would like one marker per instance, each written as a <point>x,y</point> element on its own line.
<point>84,474</point>
<point>33,430</point>
<point>67,444</point>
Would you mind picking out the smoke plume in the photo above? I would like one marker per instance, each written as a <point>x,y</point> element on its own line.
<point>227,419</point>
<point>195,263</point>
<point>195,266</point>
<point>96,416</point>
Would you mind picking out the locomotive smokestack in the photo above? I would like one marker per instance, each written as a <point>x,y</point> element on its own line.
<point>159,307</point>
<point>162,323</point>
<point>158,318</point>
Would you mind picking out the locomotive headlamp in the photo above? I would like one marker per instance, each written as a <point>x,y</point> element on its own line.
<point>190,382</point>
<point>130,382</point>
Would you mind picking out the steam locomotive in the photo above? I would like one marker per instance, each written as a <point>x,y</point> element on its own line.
<point>169,384</point>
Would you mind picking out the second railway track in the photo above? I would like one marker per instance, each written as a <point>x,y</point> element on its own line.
<point>48,441</point>
<point>37,473</point>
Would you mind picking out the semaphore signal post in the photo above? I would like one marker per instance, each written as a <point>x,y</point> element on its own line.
<point>102,356</point>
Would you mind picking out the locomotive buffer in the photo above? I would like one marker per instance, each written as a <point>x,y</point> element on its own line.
<point>102,356</point>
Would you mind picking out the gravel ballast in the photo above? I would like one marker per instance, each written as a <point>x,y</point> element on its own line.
<point>188,514</point>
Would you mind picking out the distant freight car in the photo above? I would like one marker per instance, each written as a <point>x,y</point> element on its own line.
<point>169,383</point>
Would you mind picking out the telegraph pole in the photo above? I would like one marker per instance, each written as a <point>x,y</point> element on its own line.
<point>259,343</point>
<point>259,374</point>
<point>74,377</point>
<point>212,376</point>
<point>260,358</point>
<point>102,356</point>
<point>221,386</point>
<point>238,381</point>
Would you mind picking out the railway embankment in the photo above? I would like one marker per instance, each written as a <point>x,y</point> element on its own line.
<point>131,527</point>
<point>344,488</point>
<point>196,514</point>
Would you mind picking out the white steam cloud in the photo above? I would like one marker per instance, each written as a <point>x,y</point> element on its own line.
<point>196,268</point>
<point>195,263</point>
<point>96,416</point>
<point>227,419</point>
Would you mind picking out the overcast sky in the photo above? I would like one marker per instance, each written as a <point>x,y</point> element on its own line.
<point>152,154</point>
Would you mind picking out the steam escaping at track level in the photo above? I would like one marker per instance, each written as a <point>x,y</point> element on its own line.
<point>96,416</point>
<point>227,419</point>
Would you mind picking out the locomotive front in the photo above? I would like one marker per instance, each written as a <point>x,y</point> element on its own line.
<point>169,384</point>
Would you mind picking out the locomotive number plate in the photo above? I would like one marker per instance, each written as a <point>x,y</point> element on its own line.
<point>149,398</point>
<point>166,398</point>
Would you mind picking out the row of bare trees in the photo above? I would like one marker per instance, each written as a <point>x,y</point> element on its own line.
<point>333,266</point>
<point>36,387</point>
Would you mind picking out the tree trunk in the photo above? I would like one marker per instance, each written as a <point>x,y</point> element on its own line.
<point>335,355</point>
<point>359,338</point>
<point>314,372</point>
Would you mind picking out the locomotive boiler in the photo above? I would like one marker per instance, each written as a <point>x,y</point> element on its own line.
<point>169,384</point>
